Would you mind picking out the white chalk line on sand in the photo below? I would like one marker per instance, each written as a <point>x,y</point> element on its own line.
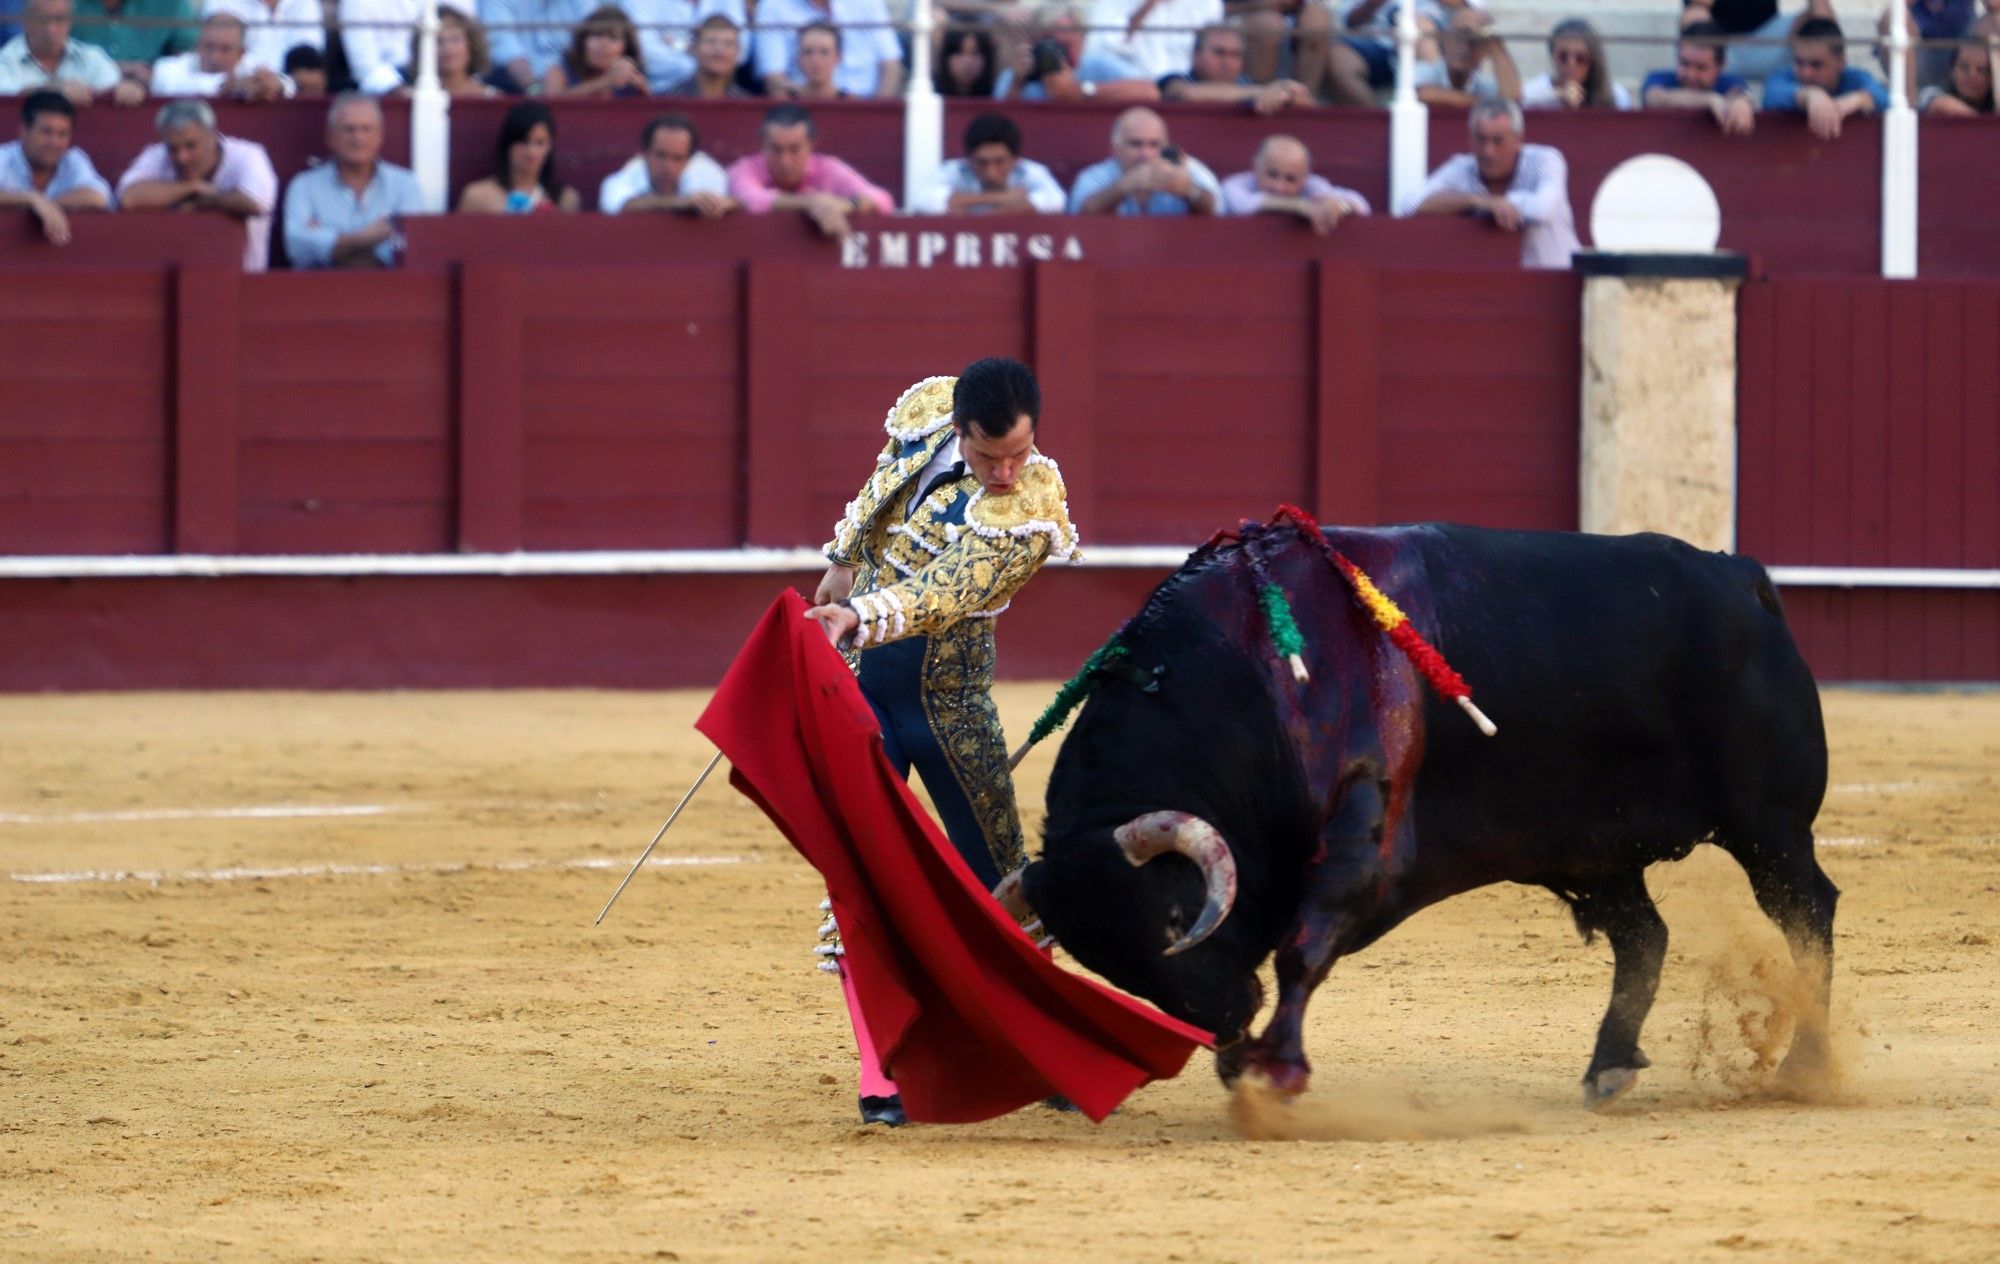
<point>239,873</point>
<point>258,812</point>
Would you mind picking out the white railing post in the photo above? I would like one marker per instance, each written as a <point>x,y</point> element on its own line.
<point>1899,158</point>
<point>1409,120</point>
<point>923,109</point>
<point>430,116</point>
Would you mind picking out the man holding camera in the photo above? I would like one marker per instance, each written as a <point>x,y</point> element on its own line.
<point>1472,65</point>
<point>1145,175</point>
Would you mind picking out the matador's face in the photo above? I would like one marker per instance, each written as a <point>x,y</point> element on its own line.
<point>996,463</point>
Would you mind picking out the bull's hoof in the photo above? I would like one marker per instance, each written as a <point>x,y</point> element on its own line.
<point>1289,1079</point>
<point>1602,1087</point>
<point>1231,1058</point>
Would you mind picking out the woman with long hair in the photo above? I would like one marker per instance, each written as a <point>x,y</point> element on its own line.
<point>464,55</point>
<point>524,179</point>
<point>603,59</point>
<point>1968,88</point>
<point>1577,78</point>
<point>967,63</point>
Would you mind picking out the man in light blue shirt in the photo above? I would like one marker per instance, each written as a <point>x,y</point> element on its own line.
<point>1145,175</point>
<point>1820,84</point>
<point>527,54</point>
<point>666,34</point>
<point>871,57</point>
<point>343,213</point>
<point>992,178</point>
<point>44,173</point>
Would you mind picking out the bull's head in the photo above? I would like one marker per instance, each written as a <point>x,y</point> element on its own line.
<point>1156,834</point>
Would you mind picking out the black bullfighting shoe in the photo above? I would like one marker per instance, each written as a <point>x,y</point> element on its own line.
<point>884,1110</point>
<point>1056,1101</point>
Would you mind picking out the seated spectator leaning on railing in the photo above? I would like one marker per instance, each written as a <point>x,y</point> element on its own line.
<point>137,33</point>
<point>44,172</point>
<point>1968,91</point>
<point>344,213</point>
<point>1216,74</point>
<point>1577,77</point>
<point>603,59</point>
<point>789,176</point>
<point>718,50</point>
<point>1059,66</point>
<point>524,180</point>
<point>1281,182</point>
<point>1518,188</point>
<point>1820,84</point>
<point>1472,64</point>
<point>376,37</point>
<point>1758,21</point>
<point>669,173</point>
<point>1145,175</point>
<point>464,57</point>
<point>530,36</point>
<point>218,67</point>
<point>871,57</point>
<point>668,31</point>
<point>273,28</point>
<point>992,178</point>
<point>44,55</point>
<point>193,167</point>
<point>1698,82</point>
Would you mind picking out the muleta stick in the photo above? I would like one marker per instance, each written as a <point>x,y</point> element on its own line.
<point>671,818</point>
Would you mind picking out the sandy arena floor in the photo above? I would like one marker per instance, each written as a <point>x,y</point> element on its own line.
<point>389,1031</point>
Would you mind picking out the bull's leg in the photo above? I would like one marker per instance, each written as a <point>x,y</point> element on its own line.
<point>1795,893</point>
<point>1623,910</point>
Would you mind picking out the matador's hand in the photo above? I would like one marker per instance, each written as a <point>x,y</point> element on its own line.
<point>836,585</point>
<point>838,621</point>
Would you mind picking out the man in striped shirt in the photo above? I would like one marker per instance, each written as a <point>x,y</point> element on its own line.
<point>1517,187</point>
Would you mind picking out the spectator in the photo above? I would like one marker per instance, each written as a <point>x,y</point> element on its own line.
<point>1472,64</point>
<point>376,36</point>
<point>1145,175</point>
<point>218,67</point>
<point>464,56</point>
<point>967,64</point>
<point>1519,188</point>
<point>789,176</point>
<point>44,56</point>
<point>718,51</point>
<point>44,172</point>
<point>1698,82</point>
<point>871,57</point>
<point>1217,75</point>
<point>9,10</point>
<point>524,180</point>
<point>992,178</point>
<point>305,66</point>
<point>818,60</point>
<point>669,173</point>
<point>273,28</point>
<point>1362,60</point>
<point>137,33</point>
<point>1820,84</point>
<point>531,36</point>
<point>1937,23</point>
<point>603,59</point>
<point>344,213</point>
<point>1758,21</point>
<point>1577,78</point>
<point>668,30</point>
<point>1156,36</point>
<point>195,168</point>
<point>1059,66</point>
<point>1267,24</point>
<point>1281,182</point>
<point>1969,88</point>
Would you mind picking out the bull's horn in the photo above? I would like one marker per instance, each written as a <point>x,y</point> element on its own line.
<point>1157,833</point>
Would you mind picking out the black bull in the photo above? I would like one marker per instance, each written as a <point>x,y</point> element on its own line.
<point>1649,697</point>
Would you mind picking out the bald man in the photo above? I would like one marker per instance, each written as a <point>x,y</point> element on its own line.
<point>1146,174</point>
<point>1281,182</point>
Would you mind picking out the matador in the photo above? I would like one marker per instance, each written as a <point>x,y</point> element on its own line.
<point>961,511</point>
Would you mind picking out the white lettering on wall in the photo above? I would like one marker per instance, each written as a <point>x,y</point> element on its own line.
<point>1006,250</point>
<point>892,250</point>
<point>965,251</point>
<point>1041,246</point>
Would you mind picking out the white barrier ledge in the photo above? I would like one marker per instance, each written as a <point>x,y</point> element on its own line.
<point>741,562</point>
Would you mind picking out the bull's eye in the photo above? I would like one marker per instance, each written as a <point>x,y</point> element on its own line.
<point>1176,924</point>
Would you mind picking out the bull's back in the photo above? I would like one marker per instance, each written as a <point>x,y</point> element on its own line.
<point>1649,692</point>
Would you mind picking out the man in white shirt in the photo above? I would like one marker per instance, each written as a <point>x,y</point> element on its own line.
<point>196,168</point>
<point>871,57</point>
<point>1518,188</point>
<point>219,67</point>
<point>669,173</point>
<point>273,28</point>
<point>1155,35</point>
<point>992,178</point>
<point>377,33</point>
<point>44,56</point>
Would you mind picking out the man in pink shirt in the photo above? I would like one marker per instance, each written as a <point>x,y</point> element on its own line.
<point>196,168</point>
<point>789,176</point>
